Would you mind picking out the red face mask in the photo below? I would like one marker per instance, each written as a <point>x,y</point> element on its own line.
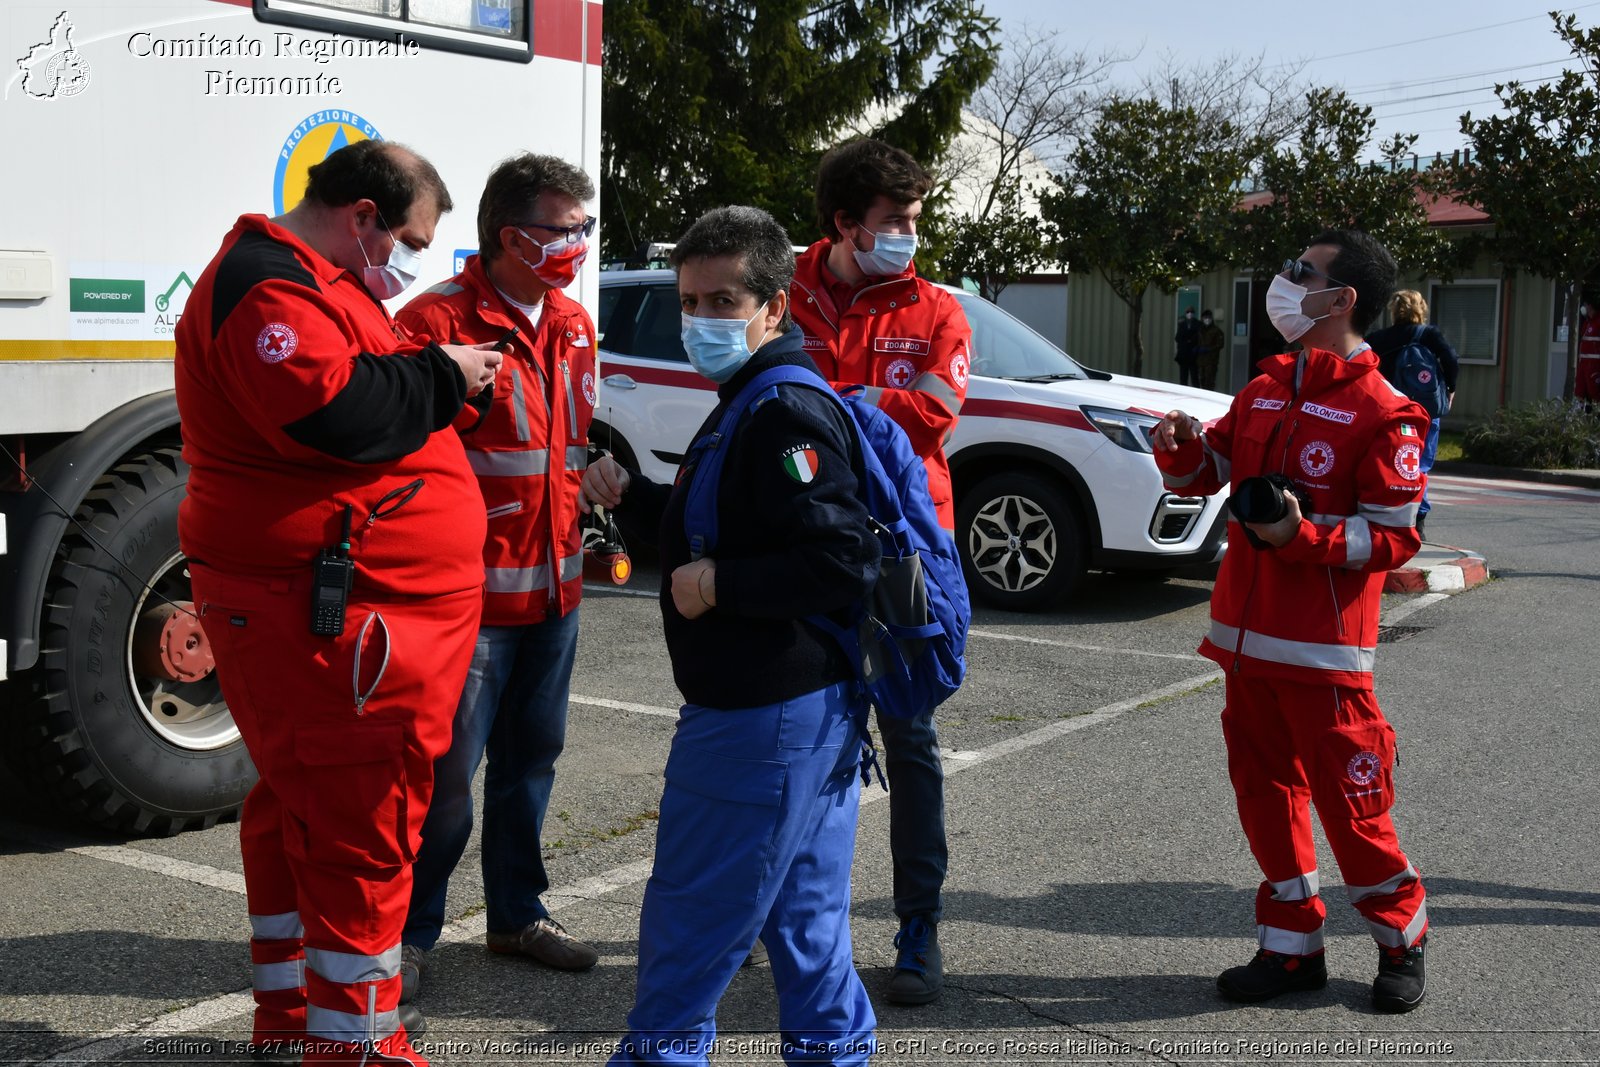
<point>559,261</point>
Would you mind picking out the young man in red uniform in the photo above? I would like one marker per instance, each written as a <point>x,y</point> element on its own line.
<point>869,320</point>
<point>528,446</point>
<point>1294,617</point>
<point>311,424</point>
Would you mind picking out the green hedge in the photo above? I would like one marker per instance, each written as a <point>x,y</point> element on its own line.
<point>1547,434</point>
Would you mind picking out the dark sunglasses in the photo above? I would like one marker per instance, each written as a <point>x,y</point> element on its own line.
<point>571,233</point>
<point>1299,268</point>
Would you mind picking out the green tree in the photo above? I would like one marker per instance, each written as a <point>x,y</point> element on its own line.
<point>711,102</point>
<point>1536,172</point>
<point>1143,201</point>
<point>1324,178</point>
<point>996,250</point>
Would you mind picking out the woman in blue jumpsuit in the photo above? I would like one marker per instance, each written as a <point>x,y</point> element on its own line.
<point>758,817</point>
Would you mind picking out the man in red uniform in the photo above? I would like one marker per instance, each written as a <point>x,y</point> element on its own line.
<point>869,320</point>
<point>313,429</point>
<point>1586,387</point>
<point>529,448</point>
<point>1294,617</point>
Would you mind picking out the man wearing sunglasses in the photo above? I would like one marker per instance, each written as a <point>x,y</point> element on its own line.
<point>1294,617</point>
<point>528,445</point>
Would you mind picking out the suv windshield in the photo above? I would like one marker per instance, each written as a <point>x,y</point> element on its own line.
<point>1002,347</point>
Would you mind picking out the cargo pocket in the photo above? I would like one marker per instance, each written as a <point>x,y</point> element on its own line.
<point>356,808</point>
<point>1358,769</point>
<point>719,823</point>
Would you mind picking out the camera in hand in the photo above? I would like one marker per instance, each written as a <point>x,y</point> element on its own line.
<point>1260,499</point>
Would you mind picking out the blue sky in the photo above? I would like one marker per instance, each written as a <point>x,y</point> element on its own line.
<point>1418,65</point>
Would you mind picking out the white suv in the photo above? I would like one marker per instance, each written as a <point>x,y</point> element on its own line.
<point>1051,460</point>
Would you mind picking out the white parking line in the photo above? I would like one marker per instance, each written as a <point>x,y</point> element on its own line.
<point>622,705</point>
<point>995,635</point>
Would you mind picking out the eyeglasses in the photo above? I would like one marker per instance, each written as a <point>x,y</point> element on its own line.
<point>571,233</point>
<point>1299,268</point>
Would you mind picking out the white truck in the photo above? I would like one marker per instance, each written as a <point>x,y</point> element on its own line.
<point>136,132</point>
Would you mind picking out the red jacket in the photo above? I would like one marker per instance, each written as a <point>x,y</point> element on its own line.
<point>299,396</point>
<point>1309,610</point>
<point>532,447</point>
<point>1589,337</point>
<point>903,338</point>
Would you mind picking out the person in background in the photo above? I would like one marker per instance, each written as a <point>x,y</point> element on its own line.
<point>528,446</point>
<point>1409,311</point>
<point>333,532</point>
<point>869,320</point>
<point>1586,386</point>
<point>1212,341</point>
<point>1294,617</point>
<point>1189,348</point>
<point>757,825</point>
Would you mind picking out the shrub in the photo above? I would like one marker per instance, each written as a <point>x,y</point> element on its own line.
<point>1543,435</point>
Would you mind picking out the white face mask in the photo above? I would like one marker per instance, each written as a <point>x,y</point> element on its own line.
<point>388,280</point>
<point>891,254</point>
<point>1284,300</point>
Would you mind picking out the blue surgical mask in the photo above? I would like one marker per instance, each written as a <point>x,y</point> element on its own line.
<point>891,254</point>
<point>717,348</point>
<point>392,278</point>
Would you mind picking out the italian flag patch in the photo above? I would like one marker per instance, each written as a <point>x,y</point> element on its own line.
<point>800,463</point>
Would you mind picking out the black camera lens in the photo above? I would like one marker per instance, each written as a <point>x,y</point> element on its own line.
<point>1260,499</point>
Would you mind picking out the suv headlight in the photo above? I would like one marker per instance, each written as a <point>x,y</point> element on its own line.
<point>1129,429</point>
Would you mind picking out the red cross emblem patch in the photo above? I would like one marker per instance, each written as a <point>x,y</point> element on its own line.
<point>276,342</point>
<point>1316,459</point>
<point>1363,767</point>
<point>1408,461</point>
<point>898,374</point>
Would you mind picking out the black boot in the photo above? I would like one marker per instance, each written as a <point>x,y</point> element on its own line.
<point>1271,973</point>
<point>1401,982</point>
<point>919,966</point>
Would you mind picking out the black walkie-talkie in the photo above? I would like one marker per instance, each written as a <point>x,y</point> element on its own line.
<point>331,576</point>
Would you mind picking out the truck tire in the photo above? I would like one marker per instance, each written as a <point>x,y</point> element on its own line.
<point>1022,542</point>
<point>118,746</point>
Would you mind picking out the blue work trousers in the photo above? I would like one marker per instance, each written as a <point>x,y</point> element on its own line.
<point>756,837</point>
<point>916,814</point>
<point>1430,449</point>
<point>514,711</point>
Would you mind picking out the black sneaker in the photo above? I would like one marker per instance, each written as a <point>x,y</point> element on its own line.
<point>1271,973</point>
<point>918,976</point>
<point>758,954</point>
<point>1401,982</point>
<point>412,1019</point>
<point>413,961</point>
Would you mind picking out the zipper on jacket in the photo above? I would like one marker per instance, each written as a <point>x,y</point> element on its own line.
<point>1333,594</point>
<point>504,509</point>
<point>572,409</point>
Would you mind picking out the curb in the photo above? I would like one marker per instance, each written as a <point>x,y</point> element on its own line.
<point>1458,575</point>
<point>1465,469</point>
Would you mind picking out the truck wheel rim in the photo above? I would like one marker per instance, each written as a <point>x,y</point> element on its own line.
<point>190,715</point>
<point>1012,543</point>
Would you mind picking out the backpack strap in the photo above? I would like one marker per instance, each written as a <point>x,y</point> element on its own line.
<point>1416,333</point>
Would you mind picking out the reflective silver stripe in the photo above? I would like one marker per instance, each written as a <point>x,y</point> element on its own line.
<point>1392,938</point>
<point>509,464</point>
<point>871,394</point>
<point>519,408</point>
<point>530,579</point>
<point>1357,541</point>
<point>445,288</point>
<point>939,389</point>
<point>284,926</point>
<point>291,974</point>
<point>1289,942</point>
<point>1223,464</point>
<point>350,968</point>
<point>1178,481</point>
<point>1329,521</point>
<point>1362,892</point>
<point>1398,515</point>
<point>338,1025</point>
<point>1302,887</point>
<point>1297,653</point>
<point>577,457</point>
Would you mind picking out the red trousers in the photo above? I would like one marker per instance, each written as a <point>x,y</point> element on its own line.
<point>344,732</point>
<point>1291,744</point>
<point>1586,386</point>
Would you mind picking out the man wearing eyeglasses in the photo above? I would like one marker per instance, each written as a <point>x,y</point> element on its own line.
<point>528,445</point>
<point>1294,617</point>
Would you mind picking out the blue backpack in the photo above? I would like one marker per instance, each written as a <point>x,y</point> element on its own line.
<point>908,636</point>
<point>1416,374</point>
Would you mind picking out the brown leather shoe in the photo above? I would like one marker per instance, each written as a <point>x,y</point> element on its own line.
<point>548,942</point>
